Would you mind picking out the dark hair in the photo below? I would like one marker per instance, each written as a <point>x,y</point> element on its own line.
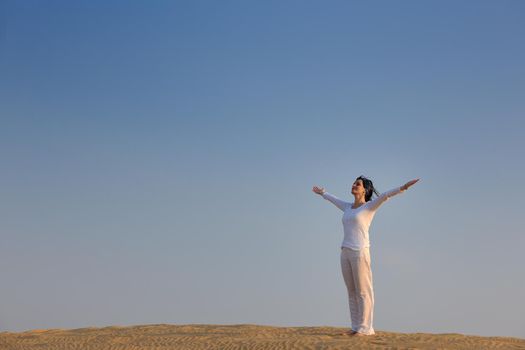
<point>369,187</point>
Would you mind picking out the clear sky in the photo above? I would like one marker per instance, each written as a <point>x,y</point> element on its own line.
<point>158,159</point>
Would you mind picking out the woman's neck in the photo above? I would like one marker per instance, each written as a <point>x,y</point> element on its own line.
<point>359,200</point>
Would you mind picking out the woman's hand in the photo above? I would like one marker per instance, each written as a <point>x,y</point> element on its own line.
<point>318,190</point>
<point>408,184</point>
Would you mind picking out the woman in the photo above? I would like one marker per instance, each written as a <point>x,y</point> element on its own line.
<point>355,249</point>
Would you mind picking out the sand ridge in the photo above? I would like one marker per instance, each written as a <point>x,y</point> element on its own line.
<point>244,336</point>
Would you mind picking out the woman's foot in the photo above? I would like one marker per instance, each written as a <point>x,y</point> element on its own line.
<point>350,332</point>
<point>357,334</point>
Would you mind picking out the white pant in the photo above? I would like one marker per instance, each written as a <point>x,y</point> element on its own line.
<point>355,265</point>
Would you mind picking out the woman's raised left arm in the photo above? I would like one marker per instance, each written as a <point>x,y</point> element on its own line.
<point>383,197</point>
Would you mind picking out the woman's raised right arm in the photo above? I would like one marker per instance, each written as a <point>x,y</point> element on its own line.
<point>335,201</point>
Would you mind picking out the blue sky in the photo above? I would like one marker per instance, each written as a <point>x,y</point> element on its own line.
<point>158,161</point>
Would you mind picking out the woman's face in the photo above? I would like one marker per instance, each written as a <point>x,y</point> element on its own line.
<point>358,188</point>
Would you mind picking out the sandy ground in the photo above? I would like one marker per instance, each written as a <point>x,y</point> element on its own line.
<point>156,337</point>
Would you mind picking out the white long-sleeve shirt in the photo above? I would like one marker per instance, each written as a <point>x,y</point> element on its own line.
<point>356,222</point>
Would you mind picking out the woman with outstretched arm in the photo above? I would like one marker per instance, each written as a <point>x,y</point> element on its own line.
<point>355,249</point>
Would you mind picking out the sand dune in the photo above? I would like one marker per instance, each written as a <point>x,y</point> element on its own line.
<point>157,337</point>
